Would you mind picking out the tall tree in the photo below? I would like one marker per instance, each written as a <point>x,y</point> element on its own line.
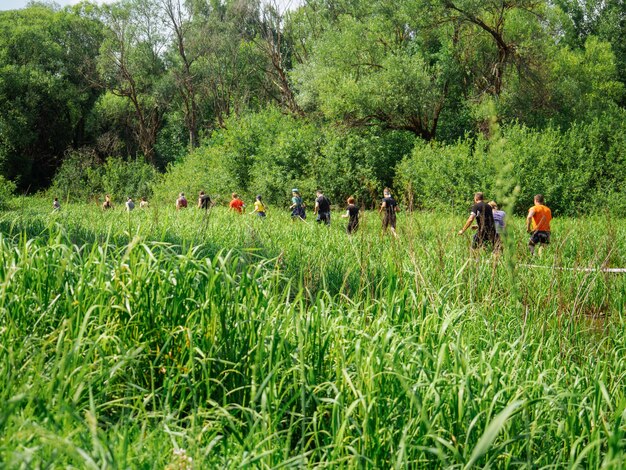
<point>46,66</point>
<point>131,65</point>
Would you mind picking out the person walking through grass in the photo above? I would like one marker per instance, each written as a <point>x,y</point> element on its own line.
<point>499,222</point>
<point>181,202</point>
<point>204,201</point>
<point>482,213</point>
<point>236,204</point>
<point>130,205</point>
<point>538,223</point>
<point>107,203</point>
<point>352,214</point>
<point>56,205</point>
<point>143,204</point>
<point>297,206</point>
<point>389,207</point>
<point>259,207</point>
<point>322,208</point>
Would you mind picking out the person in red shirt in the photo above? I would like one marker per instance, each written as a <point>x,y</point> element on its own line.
<point>538,223</point>
<point>236,204</point>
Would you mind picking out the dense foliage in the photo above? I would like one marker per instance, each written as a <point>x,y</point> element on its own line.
<point>242,342</point>
<point>153,80</point>
<point>580,170</point>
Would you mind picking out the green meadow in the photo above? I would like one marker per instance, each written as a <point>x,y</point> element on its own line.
<point>180,340</point>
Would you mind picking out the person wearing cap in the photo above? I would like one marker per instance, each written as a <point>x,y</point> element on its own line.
<point>297,206</point>
<point>181,202</point>
<point>130,205</point>
<point>259,207</point>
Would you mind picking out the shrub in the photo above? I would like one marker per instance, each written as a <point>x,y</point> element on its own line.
<point>7,188</point>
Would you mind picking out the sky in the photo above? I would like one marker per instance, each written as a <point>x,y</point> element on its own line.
<point>14,4</point>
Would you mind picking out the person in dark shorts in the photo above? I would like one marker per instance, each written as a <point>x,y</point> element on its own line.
<point>538,224</point>
<point>297,206</point>
<point>322,208</point>
<point>204,201</point>
<point>259,207</point>
<point>389,207</point>
<point>352,214</point>
<point>483,215</point>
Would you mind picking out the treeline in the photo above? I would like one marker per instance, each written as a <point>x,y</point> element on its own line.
<point>249,96</point>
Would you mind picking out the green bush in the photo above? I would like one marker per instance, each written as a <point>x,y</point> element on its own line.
<point>581,170</point>
<point>82,176</point>
<point>270,153</point>
<point>7,188</point>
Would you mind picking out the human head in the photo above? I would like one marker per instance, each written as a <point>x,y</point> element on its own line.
<point>387,192</point>
<point>493,205</point>
<point>201,193</point>
<point>351,200</point>
<point>479,197</point>
<point>182,194</point>
<point>319,192</point>
<point>56,198</point>
<point>539,199</point>
<point>234,195</point>
<point>295,191</point>
<point>143,198</point>
<point>258,197</point>
<point>129,198</point>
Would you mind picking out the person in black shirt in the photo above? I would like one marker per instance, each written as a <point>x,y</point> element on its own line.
<point>322,208</point>
<point>483,214</point>
<point>352,213</point>
<point>390,207</point>
<point>204,201</point>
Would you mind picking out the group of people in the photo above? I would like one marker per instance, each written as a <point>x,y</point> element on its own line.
<point>490,223</point>
<point>322,208</point>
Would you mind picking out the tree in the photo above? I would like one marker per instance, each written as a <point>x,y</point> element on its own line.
<point>46,69</point>
<point>131,65</point>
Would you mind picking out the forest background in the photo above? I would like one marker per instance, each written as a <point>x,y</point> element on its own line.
<point>435,98</point>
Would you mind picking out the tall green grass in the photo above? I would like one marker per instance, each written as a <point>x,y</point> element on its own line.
<point>162,339</point>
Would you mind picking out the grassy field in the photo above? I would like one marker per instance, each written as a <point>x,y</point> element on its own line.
<point>159,339</point>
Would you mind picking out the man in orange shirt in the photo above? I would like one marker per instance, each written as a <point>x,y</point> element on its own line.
<point>236,204</point>
<point>539,216</point>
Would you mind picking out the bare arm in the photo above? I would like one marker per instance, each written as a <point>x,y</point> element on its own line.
<point>468,222</point>
<point>529,219</point>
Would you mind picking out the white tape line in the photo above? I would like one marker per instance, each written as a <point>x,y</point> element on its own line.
<point>586,270</point>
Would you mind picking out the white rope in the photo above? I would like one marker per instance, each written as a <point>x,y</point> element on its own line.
<point>586,270</point>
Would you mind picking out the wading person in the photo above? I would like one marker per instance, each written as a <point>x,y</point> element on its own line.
<point>107,203</point>
<point>538,224</point>
<point>204,201</point>
<point>181,202</point>
<point>352,214</point>
<point>297,206</point>
<point>322,208</point>
<point>259,207</point>
<point>236,204</point>
<point>499,222</point>
<point>482,213</point>
<point>130,205</point>
<point>389,207</point>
